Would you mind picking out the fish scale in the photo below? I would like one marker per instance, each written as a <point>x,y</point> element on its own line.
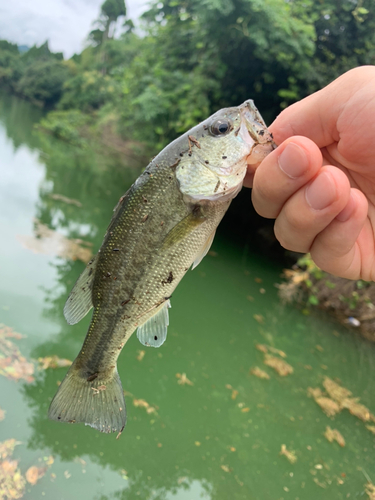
<point>160,227</point>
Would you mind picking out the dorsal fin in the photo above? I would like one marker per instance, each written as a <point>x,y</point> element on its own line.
<point>154,331</point>
<point>79,301</point>
<point>204,250</point>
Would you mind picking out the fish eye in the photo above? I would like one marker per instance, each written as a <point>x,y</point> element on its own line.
<point>221,127</point>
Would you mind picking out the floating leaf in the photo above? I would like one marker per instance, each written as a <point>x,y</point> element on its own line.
<point>358,410</point>
<point>335,390</point>
<point>49,242</point>
<point>370,490</point>
<point>69,201</point>
<point>258,372</point>
<point>141,403</point>
<point>7,448</point>
<point>334,435</point>
<point>225,468</point>
<point>12,483</point>
<point>265,349</point>
<point>329,406</point>
<point>262,348</point>
<point>141,355</point>
<point>12,364</point>
<point>341,395</point>
<point>53,362</point>
<point>33,474</point>
<point>371,428</point>
<point>279,365</point>
<point>289,454</point>
<point>183,380</point>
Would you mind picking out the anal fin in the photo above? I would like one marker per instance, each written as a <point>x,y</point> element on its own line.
<point>79,301</point>
<point>154,331</point>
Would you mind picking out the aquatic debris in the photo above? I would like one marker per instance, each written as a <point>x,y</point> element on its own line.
<point>49,242</point>
<point>340,400</point>
<point>141,355</point>
<point>183,380</point>
<point>262,348</point>
<point>33,474</point>
<point>141,403</point>
<point>258,372</point>
<point>13,365</point>
<point>353,321</point>
<point>279,365</point>
<point>69,201</point>
<point>289,454</point>
<point>335,390</point>
<point>53,362</point>
<point>371,428</point>
<point>329,406</point>
<point>7,448</point>
<point>358,410</point>
<point>2,414</point>
<point>12,483</point>
<point>319,483</point>
<point>225,468</point>
<point>234,391</point>
<point>370,490</point>
<point>334,435</point>
<point>267,348</point>
<point>259,318</point>
<point>342,396</point>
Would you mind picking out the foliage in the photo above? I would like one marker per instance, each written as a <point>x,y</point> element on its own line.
<point>66,125</point>
<point>88,90</point>
<point>195,56</point>
<point>43,81</point>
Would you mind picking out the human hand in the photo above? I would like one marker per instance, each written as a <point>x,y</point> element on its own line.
<point>319,184</point>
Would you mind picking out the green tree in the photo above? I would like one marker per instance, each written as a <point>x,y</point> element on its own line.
<point>42,82</point>
<point>110,11</point>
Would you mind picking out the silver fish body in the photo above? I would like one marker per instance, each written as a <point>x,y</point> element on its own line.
<point>162,226</point>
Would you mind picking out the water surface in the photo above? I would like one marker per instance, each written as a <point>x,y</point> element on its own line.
<point>217,439</point>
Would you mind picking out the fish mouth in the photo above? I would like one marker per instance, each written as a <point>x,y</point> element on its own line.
<point>253,131</point>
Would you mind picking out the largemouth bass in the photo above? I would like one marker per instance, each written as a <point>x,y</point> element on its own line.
<point>162,226</point>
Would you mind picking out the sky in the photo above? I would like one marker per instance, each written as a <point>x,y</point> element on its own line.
<point>64,23</point>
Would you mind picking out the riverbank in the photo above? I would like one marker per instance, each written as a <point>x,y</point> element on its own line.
<point>351,302</point>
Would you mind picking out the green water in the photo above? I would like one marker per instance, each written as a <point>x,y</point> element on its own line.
<point>201,443</point>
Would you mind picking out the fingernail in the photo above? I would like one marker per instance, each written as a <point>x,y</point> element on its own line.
<point>293,161</point>
<point>322,192</point>
<point>345,214</point>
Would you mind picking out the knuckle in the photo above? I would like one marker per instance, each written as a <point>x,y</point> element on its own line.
<point>290,239</point>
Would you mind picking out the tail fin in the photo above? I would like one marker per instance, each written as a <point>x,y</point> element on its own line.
<point>99,403</point>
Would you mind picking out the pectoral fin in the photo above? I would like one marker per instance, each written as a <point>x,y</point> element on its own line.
<point>204,250</point>
<point>183,228</point>
<point>154,331</point>
<point>79,301</point>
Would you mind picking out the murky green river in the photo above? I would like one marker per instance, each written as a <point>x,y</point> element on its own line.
<point>218,437</point>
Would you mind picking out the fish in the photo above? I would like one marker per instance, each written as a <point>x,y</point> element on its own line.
<point>161,227</point>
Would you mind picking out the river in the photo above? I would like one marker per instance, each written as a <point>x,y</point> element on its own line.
<point>200,424</point>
